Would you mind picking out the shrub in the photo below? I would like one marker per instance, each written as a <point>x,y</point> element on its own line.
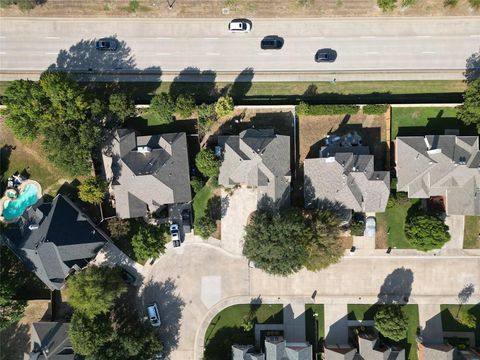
<point>118,228</point>
<point>197,184</point>
<point>149,242</point>
<point>207,163</point>
<point>162,108</point>
<point>402,198</point>
<point>377,109</point>
<point>450,3</point>
<point>357,226</point>
<point>121,105</point>
<point>185,105</point>
<point>133,6</point>
<point>391,322</point>
<point>406,3</point>
<point>474,3</point>
<point>425,231</point>
<point>467,319</point>
<point>224,106</point>
<point>206,117</point>
<point>306,109</point>
<point>386,5</point>
<point>205,227</point>
<point>391,202</point>
<point>92,190</point>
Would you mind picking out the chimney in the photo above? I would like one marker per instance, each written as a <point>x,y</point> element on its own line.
<point>427,144</point>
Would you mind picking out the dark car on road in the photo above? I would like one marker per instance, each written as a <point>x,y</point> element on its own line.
<point>326,55</point>
<point>109,44</point>
<point>272,42</point>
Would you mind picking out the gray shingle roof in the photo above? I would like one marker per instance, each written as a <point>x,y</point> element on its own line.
<point>276,348</point>
<point>65,239</point>
<point>257,158</point>
<point>441,165</point>
<point>438,352</point>
<point>50,341</point>
<point>148,172</point>
<point>346,176</point>
<point>339,352</point>
<point>370,348</point>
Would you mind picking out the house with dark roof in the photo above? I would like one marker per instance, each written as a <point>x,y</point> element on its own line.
<point>54,240</point>
<point>147,172</point>
<point>259,159</point>
<point>447,166</point>
<point>49,341</point>
<point>345,176</point>
<point>276,348</point>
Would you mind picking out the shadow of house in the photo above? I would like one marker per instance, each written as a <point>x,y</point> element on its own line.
<point>437,126</point>
<point>472,68</point>
<point>170,306</point>
<point>200,84</point>
<point>15,341</point>
<point>241,85</point>
<point>397,287</point>
<point>5,152</point>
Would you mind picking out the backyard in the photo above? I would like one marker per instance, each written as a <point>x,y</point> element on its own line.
<point>314,312</point>
<point>449,322</point>
<point>226,328</point>
<point>367,312</point>
<point>472,232</point>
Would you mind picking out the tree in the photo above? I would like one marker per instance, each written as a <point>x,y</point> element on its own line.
<point>278,243</point>
<point>197,184</point>
<point>426,232</point>
<point>206,117</point>
<point>92,190</point>
<point>205,227</point>
<point>467,319</point>
<point>149,242</point>
<point>224,106</point>
<point>89,334</point>
<point>391,322</point>
<point>121,106</point>
<point>94,290</point>
<point>386,5</point>
<point>185,105</point>
<point>22,4</point>
<point>207,163</point>
<point>469,112</point>
<point>162,108</point>
<point>118,228</point>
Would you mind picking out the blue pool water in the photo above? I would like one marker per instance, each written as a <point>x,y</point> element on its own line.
<point>14,208</point>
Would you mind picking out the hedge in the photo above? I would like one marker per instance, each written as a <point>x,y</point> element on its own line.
<point>377,109</point>
<point>307,109</point>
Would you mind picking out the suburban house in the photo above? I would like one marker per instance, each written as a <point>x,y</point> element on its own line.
<point>340,352</point>
<point>259,159</point>
<point>437,352</point>
<point>49,340</point>
<point>276,348</point>
<point>54,240</point>
<point>147,173</point>
<point>344,177</point>
<point>445,166</point>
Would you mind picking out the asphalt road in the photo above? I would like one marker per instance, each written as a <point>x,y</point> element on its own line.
<point>421,45</point>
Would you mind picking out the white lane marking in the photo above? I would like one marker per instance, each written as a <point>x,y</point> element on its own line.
<point>370,52</point>
<point>317,37</point>
<point>52,37</point>
<point>423,36</point>
<point>428,52</point>
<point>163,38</point>
<point>367,37</point>
<point>212,54</point>
<point>51,53</point>
<point>163,54</point>
<point>475,36</point>
<point>211,38</point>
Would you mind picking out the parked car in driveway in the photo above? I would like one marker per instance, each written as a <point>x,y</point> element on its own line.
<point>240,25</point>
<point>370,227</point>
<point>175,234</point>
<point>153,315</point>
<point>272,42</point>
<point>109,44</point>
<point>325,55</point>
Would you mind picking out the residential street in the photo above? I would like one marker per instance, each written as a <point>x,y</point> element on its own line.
<point>192,286</point>
<point>387,48</point>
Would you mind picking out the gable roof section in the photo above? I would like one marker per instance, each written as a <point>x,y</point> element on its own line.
<point>65,239</point>
<point>148,172</point>
<point>50,341</point>
<point>441,165</point>
<point>339,352</point>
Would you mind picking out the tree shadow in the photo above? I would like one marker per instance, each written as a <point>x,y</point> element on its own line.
<point>5,152</point>
<point>472,67</point>
<point>170,305</point>
<point>219,347</point>
<point>215,208</point>
<point>241,85</point>
<point>200,84</point>
<point>15,342</point>
<point>397,287</point>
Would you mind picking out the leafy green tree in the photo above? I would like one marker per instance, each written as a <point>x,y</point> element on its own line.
<point>467,319</point>
<point>205,227</point>
<point>391,322</point>
<point>149,242</point>
<point>469,112</point>
<point>23,5</point>
<point>121,106</point>
<point>207,163</point>
<point>474,3</point>
<point>426,232</point>
<point>89,334</point>
<point>94,290</point>
<point>224,106</point>
<point>118,228</point>
<point>92,190</point>
<point>162,108</point>
<point>206,118</point>
<point>386,5</point>
<point>278,243</point>
<point>197,184</point>
<point>185,105</point>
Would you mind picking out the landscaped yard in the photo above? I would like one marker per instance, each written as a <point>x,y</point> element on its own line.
<point>226,328</point>
<point>449,313</point>
<point>427,121</point>
<point>200,201</point>
<point>472,232</point>
<point>310,317</point>
<point>367,312</point>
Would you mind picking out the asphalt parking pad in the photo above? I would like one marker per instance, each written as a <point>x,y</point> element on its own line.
<point>211,290</point>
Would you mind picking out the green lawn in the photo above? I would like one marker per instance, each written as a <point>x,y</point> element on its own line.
<point>367,312</point>
<point>200,201</point>
<point>226,328</point>
<point>310,310</point>
<point>472,232</point>
<point>449,313</point>
<point>426,121</point>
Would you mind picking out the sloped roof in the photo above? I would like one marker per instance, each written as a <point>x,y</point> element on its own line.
<point>65,239</point>
<point>257,158</point>
<point>370,348</point>
<point>441,165</point>
<point>348,178</point>
<point>339,352</point>
<point>148,172</point>
<point>50,341</point>
<point>438,352</point>
<point>276,348</point>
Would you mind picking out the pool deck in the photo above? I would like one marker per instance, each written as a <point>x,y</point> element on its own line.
<point>21,187</point>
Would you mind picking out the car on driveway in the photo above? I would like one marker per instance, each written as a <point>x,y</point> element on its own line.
<point>109,44</point>
<point>325,55</point>
<point>370,227</point>
<point>175,234</point>
<point>240,25</point>
<point>153,315</point>
<point>271,42</point>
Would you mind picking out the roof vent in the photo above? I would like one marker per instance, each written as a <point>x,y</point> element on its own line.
<point>434,151</point>
<point>354,168</point>
<point>33,227</point>
<point>377,177</point>
<point>331,160</point>
<point>143,149</point>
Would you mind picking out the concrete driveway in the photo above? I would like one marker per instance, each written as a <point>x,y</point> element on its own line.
<point>236,209</point>
<point>456,227</point>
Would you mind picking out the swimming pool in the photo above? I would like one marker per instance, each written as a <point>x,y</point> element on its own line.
<point>15,208</point>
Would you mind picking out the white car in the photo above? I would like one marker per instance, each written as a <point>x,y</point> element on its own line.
<point>153,315</point>
<point>370,227</point>
<point>239,25</point>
